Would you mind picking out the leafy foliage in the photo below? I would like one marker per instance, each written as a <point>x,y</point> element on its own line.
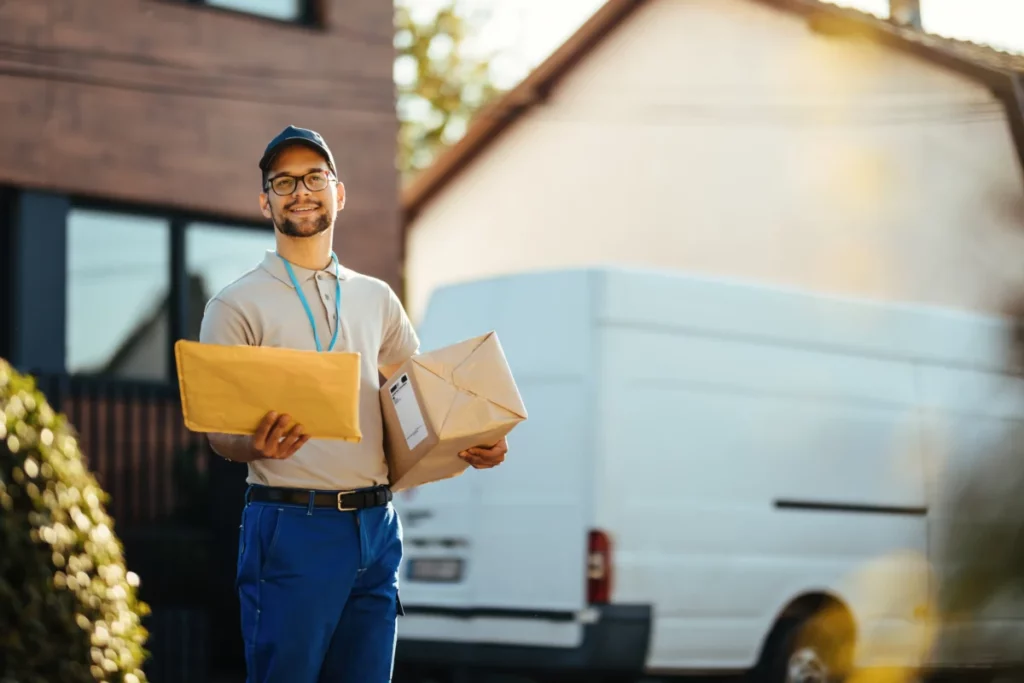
<point>441,84</point>
<point>980,544</point>
<point>68,605</point>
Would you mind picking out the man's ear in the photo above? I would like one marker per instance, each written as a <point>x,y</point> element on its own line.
<point>265,205</point>
<point>341,195</point>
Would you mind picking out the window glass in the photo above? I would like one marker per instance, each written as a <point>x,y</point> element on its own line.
<point>216,256</point>
<point>117,294</point>
<point>288,10</point>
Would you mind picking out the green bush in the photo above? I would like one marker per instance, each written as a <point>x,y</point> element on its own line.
<point>69,612</point>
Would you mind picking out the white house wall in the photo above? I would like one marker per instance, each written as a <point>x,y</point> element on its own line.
<point>725,136</point>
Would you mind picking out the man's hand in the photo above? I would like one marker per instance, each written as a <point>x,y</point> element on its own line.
<point>278,437</point>
<point>483,458</point>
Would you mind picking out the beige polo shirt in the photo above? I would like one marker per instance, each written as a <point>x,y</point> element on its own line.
<point>262,308</point>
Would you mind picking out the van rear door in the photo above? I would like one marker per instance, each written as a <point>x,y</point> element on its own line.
<point>500,555</point>
<point>438,532</point>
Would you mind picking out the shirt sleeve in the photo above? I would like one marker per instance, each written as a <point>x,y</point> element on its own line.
<point>400,341</point>
<point>224,324</point>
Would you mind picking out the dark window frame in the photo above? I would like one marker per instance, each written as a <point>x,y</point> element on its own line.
<point>311,13</point>
<point>7,198</point>
<point>179,221</point>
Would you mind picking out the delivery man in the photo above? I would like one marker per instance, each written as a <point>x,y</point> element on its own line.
<point>320,542</point>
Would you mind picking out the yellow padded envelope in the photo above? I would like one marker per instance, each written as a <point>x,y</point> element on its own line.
<point>228,389</point>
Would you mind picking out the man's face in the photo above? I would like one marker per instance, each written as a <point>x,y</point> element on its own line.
<point>300,211</point>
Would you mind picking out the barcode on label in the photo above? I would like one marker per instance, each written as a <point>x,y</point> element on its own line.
<point>410,417</point>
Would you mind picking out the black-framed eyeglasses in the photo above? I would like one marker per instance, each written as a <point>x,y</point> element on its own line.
<point>284,185</point>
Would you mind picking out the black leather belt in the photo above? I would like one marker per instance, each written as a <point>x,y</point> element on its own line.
<point>339,500</point>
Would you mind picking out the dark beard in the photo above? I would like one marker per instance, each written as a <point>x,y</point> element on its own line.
<point>293,229</point>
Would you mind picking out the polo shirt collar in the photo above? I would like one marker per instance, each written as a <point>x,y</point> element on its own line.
<point>273,264</point>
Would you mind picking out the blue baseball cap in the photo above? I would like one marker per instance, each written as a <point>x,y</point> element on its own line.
<point>291,136</point>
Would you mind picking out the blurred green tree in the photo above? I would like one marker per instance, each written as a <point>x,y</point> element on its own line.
<point>441,80</point>
<point>69,607</point>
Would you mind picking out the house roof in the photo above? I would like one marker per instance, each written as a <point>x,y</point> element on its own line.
<point>1002,72</point>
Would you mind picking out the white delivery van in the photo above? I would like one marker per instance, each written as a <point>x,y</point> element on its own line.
<point>710,471</point>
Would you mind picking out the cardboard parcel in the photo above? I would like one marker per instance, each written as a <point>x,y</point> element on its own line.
<point>442,402</point>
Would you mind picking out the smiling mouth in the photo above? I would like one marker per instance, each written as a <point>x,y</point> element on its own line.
<point>304,209</point>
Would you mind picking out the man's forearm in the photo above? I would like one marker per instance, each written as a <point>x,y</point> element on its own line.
<point>387,371</point>
<point>236,447</point>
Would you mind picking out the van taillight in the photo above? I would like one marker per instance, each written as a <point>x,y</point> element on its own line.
<point>599,568</point>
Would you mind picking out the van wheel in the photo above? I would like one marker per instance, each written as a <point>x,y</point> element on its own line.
<point>817,648</point>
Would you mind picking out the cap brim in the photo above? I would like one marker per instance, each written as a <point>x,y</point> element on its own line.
<point>271,154</point>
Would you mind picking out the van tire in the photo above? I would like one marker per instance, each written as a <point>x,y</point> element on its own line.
<point>815,648</point>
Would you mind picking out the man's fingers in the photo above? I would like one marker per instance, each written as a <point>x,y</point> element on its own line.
<point>298,444</point>
<point>481,462</point>
<point>292,441</point>
<point>485,454</point>
<point>494,451</point>
<point>484,457</point>
<point>296,437</point>
<point>278,427</point>
<point>259,437</point>
<point>278,436</point>
<point>282,426</point>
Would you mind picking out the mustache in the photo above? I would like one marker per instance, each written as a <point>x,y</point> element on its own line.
<point>299,201</point>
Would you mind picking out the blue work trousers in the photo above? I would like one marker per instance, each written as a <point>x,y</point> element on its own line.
<point>319,593</point>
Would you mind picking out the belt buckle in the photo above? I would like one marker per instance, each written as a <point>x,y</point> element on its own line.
<point>341,509</point>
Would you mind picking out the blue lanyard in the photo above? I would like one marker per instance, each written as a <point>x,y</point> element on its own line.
<point>309,312</point>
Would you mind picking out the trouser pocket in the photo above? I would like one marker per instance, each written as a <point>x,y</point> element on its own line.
<point>257,539</point>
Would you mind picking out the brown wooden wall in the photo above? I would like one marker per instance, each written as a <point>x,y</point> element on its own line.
<point>166,103</point>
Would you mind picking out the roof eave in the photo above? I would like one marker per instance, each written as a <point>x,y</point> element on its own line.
<point>494,118</point>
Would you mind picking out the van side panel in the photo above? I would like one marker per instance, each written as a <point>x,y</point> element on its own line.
<point>720,463</point>
<point>758,311</point>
